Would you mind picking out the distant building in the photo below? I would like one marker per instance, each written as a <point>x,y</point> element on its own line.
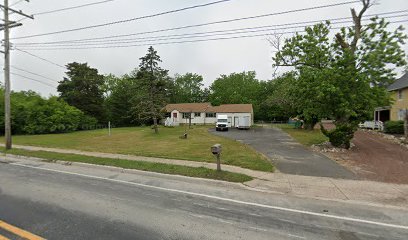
<point>205,113</point>
<point>395,112</point>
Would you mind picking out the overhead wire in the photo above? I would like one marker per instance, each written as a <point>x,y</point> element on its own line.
<point>32,79</point>
<point>204,24</point>
<point>19,1</point>
<point>126,20</point>
<point>187,35</point>
<point>66,9</point>
<point>178,42</point>
<point>41,58</point>
<point>33,73</point>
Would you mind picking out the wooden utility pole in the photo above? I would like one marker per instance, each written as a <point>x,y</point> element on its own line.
<point>406,124</point>
<point>7,110</point>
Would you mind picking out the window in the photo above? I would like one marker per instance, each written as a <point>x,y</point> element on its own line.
<point>197,114</point>
<point>400,94</point>
<point>210,115</point>
<point>186,115</point>
<point>401,114</point>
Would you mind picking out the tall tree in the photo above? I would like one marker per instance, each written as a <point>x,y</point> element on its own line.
<point>235,88</point>
<point>188,88</point>
<point>152,82</point>
<point>120,100</point>
<point>343,79</point>
<point>280,102</point>
<point>83,88</point>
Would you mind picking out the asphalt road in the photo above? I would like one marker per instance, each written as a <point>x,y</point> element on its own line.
<point>288,155</point>
<point>71,202</point>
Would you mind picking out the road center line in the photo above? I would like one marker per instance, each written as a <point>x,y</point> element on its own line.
<point>19,232</point>
<point>224,199</point>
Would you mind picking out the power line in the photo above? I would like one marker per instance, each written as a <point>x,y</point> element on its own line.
<point>199,25</point>
<point>162,30</point>
<point>35,80</point>
<point>127,20</point>
<point>13,4</point>
<point>41,58</point>
<point>187,35</point>
<point>66,9</point>
<point>73,7</point>
<point>33,73</point>
<point>179,42</point>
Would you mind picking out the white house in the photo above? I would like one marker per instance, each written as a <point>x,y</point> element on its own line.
<point>205,113</point>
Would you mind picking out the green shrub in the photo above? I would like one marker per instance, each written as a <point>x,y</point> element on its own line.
<point>340,136</point>
<point>396,127</point>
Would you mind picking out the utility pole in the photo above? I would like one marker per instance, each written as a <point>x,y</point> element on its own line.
<point>7,110</point>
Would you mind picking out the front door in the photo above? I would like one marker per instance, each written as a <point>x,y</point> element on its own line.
<point>236,121</point>
<point>174,117</point>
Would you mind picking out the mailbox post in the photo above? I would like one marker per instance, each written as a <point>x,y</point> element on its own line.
<point>216,150</point>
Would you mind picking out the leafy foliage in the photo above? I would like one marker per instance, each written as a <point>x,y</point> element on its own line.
<point>341,135</point>
<point>396,127</point>
<point>32,114</point>
<point>342,79</point>
<point>84,89</point>
<point>188,88</point>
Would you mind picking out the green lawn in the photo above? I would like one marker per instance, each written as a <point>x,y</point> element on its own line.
<point>305,137</point>
<point>139,165</point>
<point>142,141</point>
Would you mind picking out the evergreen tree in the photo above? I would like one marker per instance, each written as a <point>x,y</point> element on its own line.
<point>152,83</point>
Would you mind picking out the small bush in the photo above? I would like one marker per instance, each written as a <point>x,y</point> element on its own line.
<point>396,127</point>
<point>340,136</point>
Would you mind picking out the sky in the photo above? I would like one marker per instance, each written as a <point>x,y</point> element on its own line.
<point>207,58</point>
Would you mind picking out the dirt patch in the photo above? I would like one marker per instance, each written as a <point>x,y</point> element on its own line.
<point>373,157</point>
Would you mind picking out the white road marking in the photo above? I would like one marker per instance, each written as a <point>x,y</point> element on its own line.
<point>258,229</point>
<point>254,214</point>
<point>153,195</point>
<point>199,204</point>
<point>288,221</point>
<point>350,219</point>
<point>223,221</point>
<point>224,209</point>
<point>296,236</point>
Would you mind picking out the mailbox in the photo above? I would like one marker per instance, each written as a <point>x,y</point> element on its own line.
<point>216,149</point>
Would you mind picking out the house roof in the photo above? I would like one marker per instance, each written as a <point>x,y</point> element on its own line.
<point>206,107</point>
<point>231,108</point>
<point>187,107</point>
<point>400,83</point>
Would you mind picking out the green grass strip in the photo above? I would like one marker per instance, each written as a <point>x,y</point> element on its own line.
<point>200,172</point>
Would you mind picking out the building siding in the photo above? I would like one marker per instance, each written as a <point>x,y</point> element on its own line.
<point>398,104</point>
<point>205,120</point>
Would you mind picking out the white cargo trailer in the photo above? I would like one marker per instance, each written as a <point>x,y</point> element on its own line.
<point>244,122</point>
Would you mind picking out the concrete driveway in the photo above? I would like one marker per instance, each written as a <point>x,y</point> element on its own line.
<point>288,155</point>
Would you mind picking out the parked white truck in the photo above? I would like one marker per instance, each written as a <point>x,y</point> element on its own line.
<point>222,123</point>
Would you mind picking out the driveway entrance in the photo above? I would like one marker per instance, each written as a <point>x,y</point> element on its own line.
<point>288,155</point>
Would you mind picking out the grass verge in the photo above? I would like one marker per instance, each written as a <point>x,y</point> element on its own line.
<point>305,137</point>
<point>139,165</point>
<point>141,141</point>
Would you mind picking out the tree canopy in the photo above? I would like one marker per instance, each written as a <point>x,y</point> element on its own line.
<point>343,78</point>
<point>83,88</point>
